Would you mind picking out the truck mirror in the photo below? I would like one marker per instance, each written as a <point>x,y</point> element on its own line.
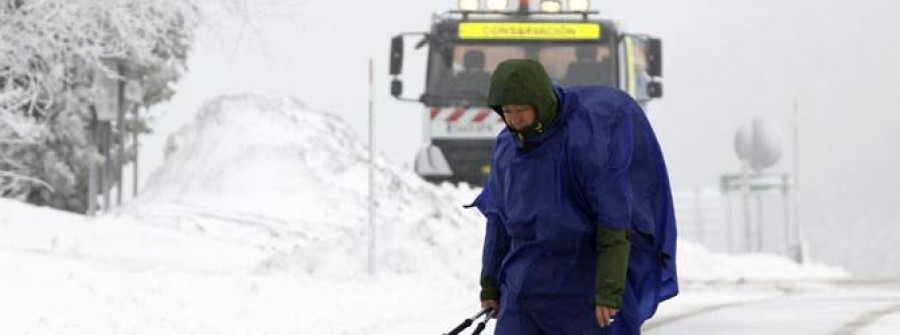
<point>396,55</point>
<point>654,57</point>
<point>423,42</point>
<point>654,89</point>
<point>396,88</point>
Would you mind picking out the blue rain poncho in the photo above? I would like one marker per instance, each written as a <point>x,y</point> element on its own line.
<point>598,165</point>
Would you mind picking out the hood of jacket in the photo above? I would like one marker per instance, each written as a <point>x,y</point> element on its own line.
<point>524,82</point>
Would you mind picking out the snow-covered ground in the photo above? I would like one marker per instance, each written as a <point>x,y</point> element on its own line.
<point>257,224</point>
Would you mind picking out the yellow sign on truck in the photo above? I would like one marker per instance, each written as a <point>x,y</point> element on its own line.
<point>529,31</point>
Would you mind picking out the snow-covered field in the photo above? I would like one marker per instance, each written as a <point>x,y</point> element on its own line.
<point>257,224</point>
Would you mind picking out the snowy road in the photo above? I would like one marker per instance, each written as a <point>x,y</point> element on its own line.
<point>849,308</point>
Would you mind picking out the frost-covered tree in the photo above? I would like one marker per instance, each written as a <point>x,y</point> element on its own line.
<point>51,51</point>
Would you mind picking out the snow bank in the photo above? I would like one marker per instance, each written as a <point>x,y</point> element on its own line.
<point>47,294</point>
<point>696,263</point>
<point>292,181</point>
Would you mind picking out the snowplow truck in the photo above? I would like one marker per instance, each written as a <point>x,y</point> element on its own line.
<point>575,45</point>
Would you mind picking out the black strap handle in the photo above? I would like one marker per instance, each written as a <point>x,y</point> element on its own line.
<point>468,322</point>
<point>483,324</point>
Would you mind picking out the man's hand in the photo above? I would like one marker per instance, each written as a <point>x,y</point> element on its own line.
<point>492,304</point>
<point>605,315</point>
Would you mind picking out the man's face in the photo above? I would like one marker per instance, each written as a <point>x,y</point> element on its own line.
<point>518,117</point>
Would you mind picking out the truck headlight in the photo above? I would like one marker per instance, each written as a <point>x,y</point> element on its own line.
<point>497,4</point>
<point>579,5</point>
<point>471,5</point>
<point>551,6</point>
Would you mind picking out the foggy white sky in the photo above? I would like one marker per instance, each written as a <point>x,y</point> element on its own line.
<point>724,62</point>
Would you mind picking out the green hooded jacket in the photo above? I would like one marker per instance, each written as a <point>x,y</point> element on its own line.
<point>525,82</point>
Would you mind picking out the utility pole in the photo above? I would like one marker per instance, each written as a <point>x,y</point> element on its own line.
<point>107,164</point>
<point>92,166</point>
<point>134,134</point>
<point>120,69</point>
<point>745,197</point>
<point>798,229</point>
<point>372,267</point>
<point>106,107</point>
<point>698,215</point>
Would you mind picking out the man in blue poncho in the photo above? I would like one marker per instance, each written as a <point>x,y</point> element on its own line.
<point>580,227</point>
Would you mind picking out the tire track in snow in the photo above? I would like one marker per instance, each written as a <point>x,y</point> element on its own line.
<point>663,321</point>
<point>867,318</point>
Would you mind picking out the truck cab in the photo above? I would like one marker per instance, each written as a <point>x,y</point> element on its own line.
<point>576,47</point>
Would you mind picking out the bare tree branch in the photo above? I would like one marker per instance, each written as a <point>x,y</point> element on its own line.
<point>17,178</point>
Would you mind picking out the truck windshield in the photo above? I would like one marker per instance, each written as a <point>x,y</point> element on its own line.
<point>460,74</point>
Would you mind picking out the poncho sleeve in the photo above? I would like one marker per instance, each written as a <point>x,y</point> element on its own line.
<point>496,240</point>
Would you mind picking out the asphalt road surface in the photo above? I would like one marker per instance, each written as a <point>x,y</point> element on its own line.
<point>834,309</point>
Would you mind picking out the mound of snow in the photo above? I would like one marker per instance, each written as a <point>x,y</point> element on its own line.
<point>292,183</point>
<point>696,263</point>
